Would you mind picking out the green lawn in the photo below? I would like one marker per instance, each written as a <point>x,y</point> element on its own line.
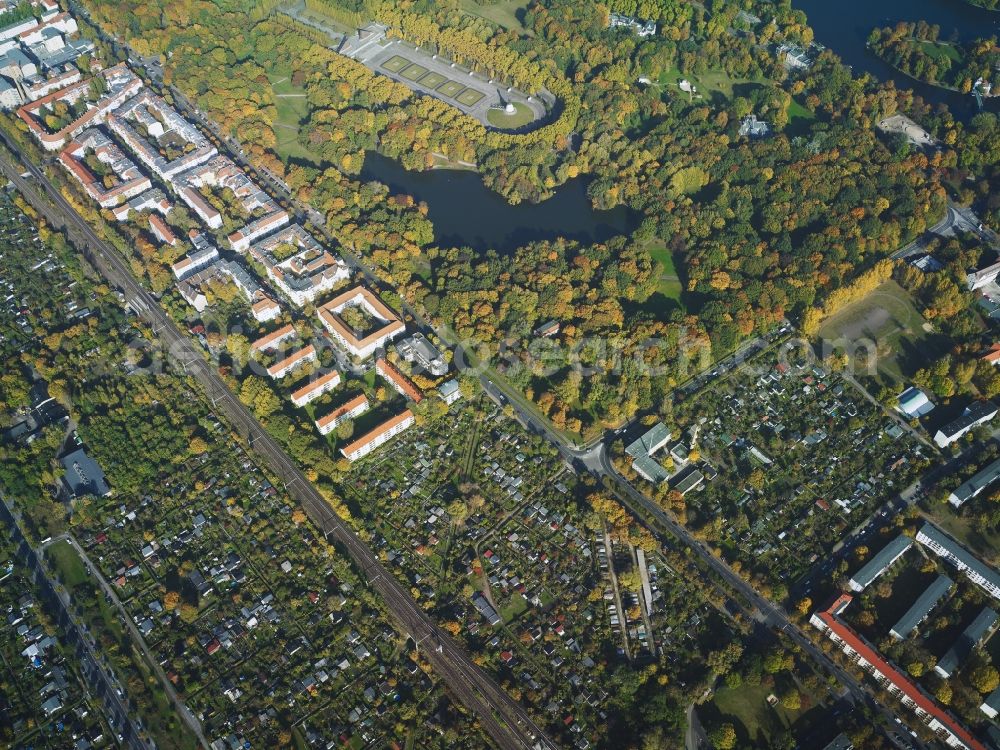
<point>521,117</point>
<point>712,81</point>
<point>443,162</point>
<point>395,64</point>
<point>941,52</point>
<point>981,541</point>
<point>747,708</point>
<point>669,284</point>
<point>517,607</point>
<point>432,80</point>
<point>886,319</point>
<point>414,72</point>
<point>293,109</point>
<point>449,88</point>
<point>502,13</point>
<point>798,112</point>
<point>470,97</point>
<point>68,564</point>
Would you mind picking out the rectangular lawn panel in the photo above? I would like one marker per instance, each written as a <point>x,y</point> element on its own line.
<point>449,88</point>
<point>414,72</point>
<point>432,80</point>
<point>470,97</point>
<point>395,64</point>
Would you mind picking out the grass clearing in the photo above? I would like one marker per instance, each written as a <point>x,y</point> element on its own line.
<point>800,119</point>
<point>669,284</point>
<point>432,80</point>
<point>708,84</point>
<point>747,708</point>
<point>414,72</point>
<point>293,109</point>
<point>798,112</point>
<point>470,97</point>
<point>941,52</point>
<point>396,64</point>
<point>71,570</point>
<point>979,540</point>
<point>518,606</point>
<point>521,116</point>
<point>886,319</point>
<point>449,88</point>
<point>503,13</point>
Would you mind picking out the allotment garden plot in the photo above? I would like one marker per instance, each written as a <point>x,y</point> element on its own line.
<point>802,457</point>
<point>492,536</point>
<point>245,606</point>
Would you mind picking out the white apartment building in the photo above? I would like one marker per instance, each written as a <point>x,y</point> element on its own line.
<point>379,436</point>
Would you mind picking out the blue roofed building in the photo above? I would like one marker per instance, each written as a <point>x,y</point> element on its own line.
<point>83,476</point>
<point>922,607</point>
<point>977,633</point>
<point>913,402</point>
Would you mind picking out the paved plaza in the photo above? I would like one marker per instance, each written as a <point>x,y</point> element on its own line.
<point>436,76</point>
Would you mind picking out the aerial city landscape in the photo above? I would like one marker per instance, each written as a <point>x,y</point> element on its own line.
<point>518,374</point>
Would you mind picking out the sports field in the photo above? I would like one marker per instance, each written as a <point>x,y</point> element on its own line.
<point>887,327</point>
<point>470,97</point>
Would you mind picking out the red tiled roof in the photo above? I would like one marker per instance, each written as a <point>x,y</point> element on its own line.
<point>388,370</point>
<point>341,410</point>
<point>327,314</point>
<point>896,677</point>
<point>291,359</point>
<point>160,226</point>
<point>265,341</point>
<point>377,432</point>
<point>315,384</point>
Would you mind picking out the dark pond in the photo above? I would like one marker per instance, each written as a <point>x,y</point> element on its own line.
<point>844,26</point>
<point>466,212</point>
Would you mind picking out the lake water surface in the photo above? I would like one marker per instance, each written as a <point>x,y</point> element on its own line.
<point>466,212</point>
<point>844,26</point>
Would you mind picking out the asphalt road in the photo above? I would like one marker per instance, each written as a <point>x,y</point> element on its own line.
<point>594,458</point>
<point>956,218</point>
<point>101,681</point>
<point>767,612</point>
<point>505,721</point>
<point>109,592</point>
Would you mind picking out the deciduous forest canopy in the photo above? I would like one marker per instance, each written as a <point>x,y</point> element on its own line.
<point>760,229</point>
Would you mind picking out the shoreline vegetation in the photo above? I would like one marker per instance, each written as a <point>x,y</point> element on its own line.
<point>748,254</point>
<point>915,50</point>
<point>990,5</point>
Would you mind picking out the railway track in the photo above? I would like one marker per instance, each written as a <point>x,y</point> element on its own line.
<point>504,720</point>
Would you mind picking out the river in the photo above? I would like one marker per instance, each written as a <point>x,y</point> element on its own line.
<point>465,212</point>
<point>844,26</point>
